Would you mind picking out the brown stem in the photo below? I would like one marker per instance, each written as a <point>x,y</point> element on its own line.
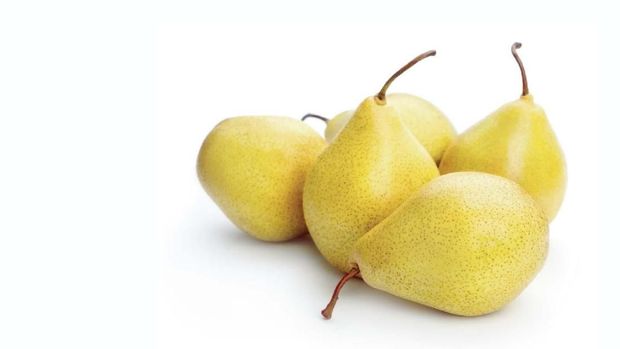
<point>314,116</point>
<point>327,312</point>
<point>381,95</point>
<point>514,48</point>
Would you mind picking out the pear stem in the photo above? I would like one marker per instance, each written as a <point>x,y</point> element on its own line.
<point>327,312</point>
<point>381,95</point>
<point>514,48</point>
<point>314,116</point>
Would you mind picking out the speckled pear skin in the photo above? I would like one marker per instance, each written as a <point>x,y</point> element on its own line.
<point>516,142</point>
<point>366,173</point>
<point>430,126</point>
<point>466,243</point>
<point>254,168</point>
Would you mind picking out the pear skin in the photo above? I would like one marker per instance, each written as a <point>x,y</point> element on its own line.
<point>369,170</point>
<point>366,173</point>
<point>466,243</point>
<point>517,142</point>
<point>254,168</point>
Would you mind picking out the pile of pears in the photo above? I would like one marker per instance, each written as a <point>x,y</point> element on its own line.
<point>394,196</point>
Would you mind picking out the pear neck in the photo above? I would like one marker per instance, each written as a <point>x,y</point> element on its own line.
<point>527,98</point>
<point>379,101</point>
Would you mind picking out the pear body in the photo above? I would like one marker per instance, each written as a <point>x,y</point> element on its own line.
<point>254,167</point>
<point>369,170</point>
<point>516,142</point>
<point>466,243</point>
<point>427,123</point>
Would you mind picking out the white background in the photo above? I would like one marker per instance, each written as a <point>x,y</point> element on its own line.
<point>107,241</point>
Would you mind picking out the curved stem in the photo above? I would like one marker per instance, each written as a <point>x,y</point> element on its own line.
<point>514,48</point>
<point>381,94</point>
<point>327,312</point>
<point>314,116</point>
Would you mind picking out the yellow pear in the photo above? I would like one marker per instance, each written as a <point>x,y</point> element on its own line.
<point>338,122</point>
<point>254,168</point>
<point>427,123</point>
<point>366,173</point>
<point>466,243</point>
<point>516,142</point>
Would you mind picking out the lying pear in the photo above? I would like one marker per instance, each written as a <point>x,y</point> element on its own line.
<point>427,123</point>
<point>516,142</point>
<point>466,243</point>
<point>254,168</point>
<point>366,173</point>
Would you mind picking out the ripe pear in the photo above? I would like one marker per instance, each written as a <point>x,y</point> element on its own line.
<point>366,173</point>
<point>254,168</point>
<point>517,142</point>
<point>466,243</point>
<point>427,123</point>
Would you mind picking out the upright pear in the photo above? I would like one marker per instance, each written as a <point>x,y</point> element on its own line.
<point>466,243</point>
<point>427,123</point>
<point>367,172</point>
<point>517,142</point>
<point>254,168</point>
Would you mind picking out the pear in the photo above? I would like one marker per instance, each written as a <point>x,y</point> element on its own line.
<point>254,168</point>
<point>517,142</point>
<point>338,122</point>
<point>466,243</point>
<point>427,123</point>
<point>367,172</point>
